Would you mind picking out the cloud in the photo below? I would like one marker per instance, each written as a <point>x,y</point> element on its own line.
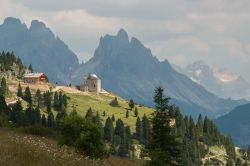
<point>182,31</point>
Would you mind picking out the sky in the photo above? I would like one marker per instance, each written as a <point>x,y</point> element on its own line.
<point>181,31</point>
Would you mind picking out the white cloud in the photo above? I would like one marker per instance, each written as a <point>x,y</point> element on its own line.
<point>179,30</point>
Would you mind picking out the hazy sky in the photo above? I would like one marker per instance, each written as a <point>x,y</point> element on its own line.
<point>182,31</point>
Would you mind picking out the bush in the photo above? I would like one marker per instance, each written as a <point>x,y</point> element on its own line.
<point>114,102</point>
<point>84,135</point>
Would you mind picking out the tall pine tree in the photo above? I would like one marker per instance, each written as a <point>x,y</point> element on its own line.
<point>163,148</point>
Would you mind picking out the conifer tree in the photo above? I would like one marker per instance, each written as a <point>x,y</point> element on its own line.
<point>30,68</point>
<point>3,105</point>
<point>27,96</point>
<point>97,120</point>
<point>199,125</point>
<point>89,113</point>
<point>136,111</point>
<point>37,115</point>
<point>38,98</point>
<point>44,121</point>
<point>114,102</point>
<point>119,128</point>
<point>113,118</point>
<point>104,113</point>
<point>163,148</point>
<point>56,101</point>
<point>127,114</point>
<point>138,129</point>
<point>145,129</point>
<point>19,91</point>
<point>4,87</point>
<point>51,120</point>
<point>47,101</point>
<point>131,104</point>
<point>108,130</point>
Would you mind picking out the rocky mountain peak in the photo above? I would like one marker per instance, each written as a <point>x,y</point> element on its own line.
<point>13,23</point>
<point>40,29</point>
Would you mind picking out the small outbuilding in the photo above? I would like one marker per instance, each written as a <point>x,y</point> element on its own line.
<point>92,83</point>
<point>35,78</point>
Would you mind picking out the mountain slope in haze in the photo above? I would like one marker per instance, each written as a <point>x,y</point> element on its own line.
<point>220,82</point>
<point>127,68</point>
<point>237,124</point>
<point>37,45</point>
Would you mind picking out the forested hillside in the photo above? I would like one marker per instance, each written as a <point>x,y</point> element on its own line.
<point>104,125</point>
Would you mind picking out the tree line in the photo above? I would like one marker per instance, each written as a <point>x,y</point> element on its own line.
<point>168,137</point>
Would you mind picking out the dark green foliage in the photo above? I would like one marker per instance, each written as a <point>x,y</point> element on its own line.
<point>114,102</point>
<point>30,68</point>
<point>47,100</point>
<point>97,120</point>
<point>56,102</point>
<point>108,130</point>
<point>136,111</point>
<point>230,162</point>
<point>127,114</point>
<point>113,118</point>
<point>4,90</point>
<point>27,96</point>
<point>17,115</point>
<point>163,147</point>
<point>84,135</point>
<point>19,91</point>
<point>89,114</point>
<point>51,120</point>
<point>145,130</point>
<point>7,60</point>
<point>38,98</point>
<point>131,104</point>
<point>104,113</point>
<point>3,105</point>
<point>33,115</point>
<point>138,128</point>
<point>238,162</point>
<point>119,128</point>
<point>44,121</point>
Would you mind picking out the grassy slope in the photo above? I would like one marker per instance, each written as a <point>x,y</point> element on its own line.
<point>100,103</point>
<point>83,101</point>
<point>18,149</point>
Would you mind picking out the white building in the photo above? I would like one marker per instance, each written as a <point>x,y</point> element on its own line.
<point>92,83</point>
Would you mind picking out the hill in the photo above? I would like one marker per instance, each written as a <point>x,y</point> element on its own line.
<point>237,124</point>
<point>209,144</point>
<point>82,101</point>
<point>37,45</point>
<point>18,148</point>
<point>129,69</point>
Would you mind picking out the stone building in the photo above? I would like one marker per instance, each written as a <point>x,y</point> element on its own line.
<point>92,83</point>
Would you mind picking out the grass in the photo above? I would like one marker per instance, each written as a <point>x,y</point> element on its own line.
<point>100,103</point>
<point>83,101</point>
<point>19,149</point>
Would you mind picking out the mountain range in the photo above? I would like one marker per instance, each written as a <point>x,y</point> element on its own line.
<point>37,45</point>
<point>221,82</point>
<point>237,124</point>
<point>125,66</point>
<point>129,69</point>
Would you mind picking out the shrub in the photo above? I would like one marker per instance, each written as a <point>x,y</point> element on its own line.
<point>84,135</point>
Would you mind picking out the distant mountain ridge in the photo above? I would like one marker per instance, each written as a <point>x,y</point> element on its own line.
<point>218,81</point>
<point>130,70</point>
<point>237,124</point>
<point>37,45</point>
